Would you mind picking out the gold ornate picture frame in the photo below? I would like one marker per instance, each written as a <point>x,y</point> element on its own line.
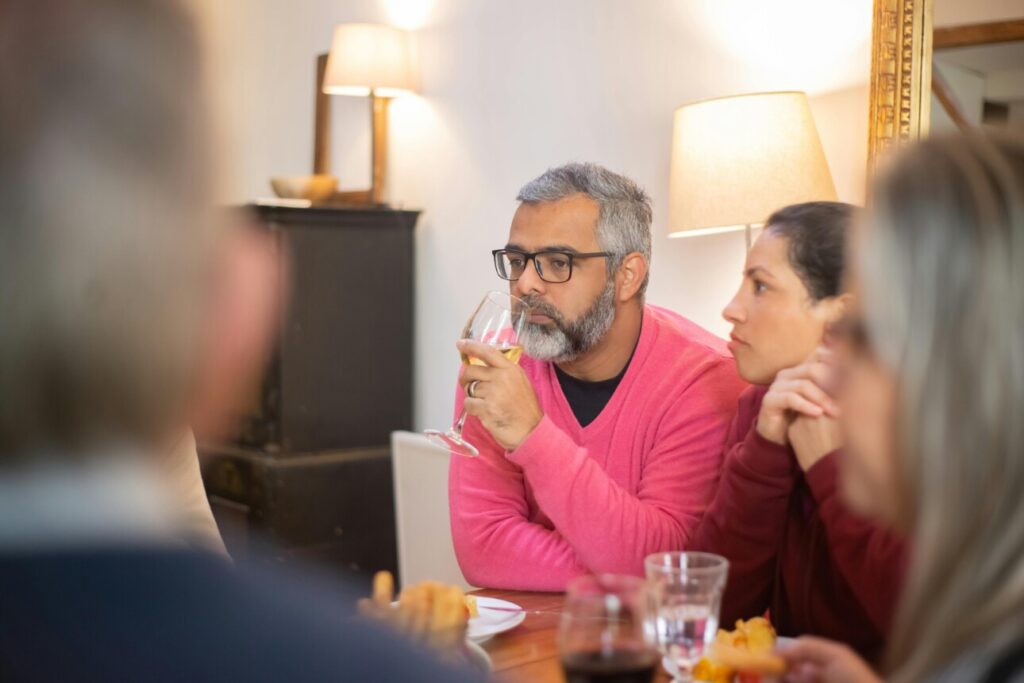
<point>901,55</point>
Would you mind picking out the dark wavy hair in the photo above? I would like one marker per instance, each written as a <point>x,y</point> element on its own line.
<point>817,239</point>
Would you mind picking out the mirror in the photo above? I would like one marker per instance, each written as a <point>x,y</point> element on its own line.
<point>900,87</point>
<point>977,76</point>
<point>968,71</point>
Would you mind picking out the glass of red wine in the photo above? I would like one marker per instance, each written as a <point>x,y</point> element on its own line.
<point>602,638</point>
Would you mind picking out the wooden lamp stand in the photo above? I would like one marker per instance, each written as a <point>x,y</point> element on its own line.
<point>379,153</point>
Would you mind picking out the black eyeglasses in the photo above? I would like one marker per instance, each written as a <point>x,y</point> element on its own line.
<point>552,266</point>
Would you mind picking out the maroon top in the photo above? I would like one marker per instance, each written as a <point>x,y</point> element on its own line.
<point>793,548</point>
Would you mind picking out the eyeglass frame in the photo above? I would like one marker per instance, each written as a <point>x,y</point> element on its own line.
<point>532,256</point>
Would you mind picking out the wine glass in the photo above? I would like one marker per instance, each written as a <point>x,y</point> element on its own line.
<point>498,321</point>
<point>602,635</point>
<point>684,593</point>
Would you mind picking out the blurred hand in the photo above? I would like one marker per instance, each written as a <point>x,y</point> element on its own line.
<point>503,398</point>
<point>813,438</point>
<point>428,612</point>
<point>816,660</point>
<point>797,391</point>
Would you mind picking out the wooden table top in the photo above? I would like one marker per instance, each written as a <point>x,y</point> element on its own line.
<point>529,652</point>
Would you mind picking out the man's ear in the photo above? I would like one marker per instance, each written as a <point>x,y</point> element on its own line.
<point>237,339</point>
<point>631,275</point>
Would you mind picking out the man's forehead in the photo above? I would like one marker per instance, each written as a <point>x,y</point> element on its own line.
<point>568,221</point>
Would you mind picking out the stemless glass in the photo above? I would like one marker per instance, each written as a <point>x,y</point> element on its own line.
<point>602,636</point>
<point>684,593</point>
<point>498,321</point>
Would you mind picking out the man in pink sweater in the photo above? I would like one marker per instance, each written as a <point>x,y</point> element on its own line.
<point>605,444</point>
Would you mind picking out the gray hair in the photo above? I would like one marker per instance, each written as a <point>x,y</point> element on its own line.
<point>624,224</point>
<point>106,242</point>
<point>942,268</point>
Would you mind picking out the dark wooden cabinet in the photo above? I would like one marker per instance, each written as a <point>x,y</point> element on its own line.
<point>311,470</point>
<point>333,509</point>
<point>342,373</point>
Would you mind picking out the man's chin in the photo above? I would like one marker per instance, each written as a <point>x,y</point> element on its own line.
<point>539,342</point>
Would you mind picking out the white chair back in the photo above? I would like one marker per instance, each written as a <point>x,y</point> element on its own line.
<point>425,548</point>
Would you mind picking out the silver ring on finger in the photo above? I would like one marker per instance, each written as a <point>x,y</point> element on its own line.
<point>471,388</point>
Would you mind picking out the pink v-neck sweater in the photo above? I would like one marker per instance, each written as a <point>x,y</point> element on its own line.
<point>636,480</point>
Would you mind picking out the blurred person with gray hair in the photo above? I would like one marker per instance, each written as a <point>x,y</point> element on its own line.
<point>127,311</point>
<point>605,444</point>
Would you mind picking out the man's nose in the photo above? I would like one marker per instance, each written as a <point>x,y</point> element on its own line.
<point>530,282</point>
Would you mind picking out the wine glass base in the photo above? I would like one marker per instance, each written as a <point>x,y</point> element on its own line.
<point>679,673</point>
<point>452,441</point>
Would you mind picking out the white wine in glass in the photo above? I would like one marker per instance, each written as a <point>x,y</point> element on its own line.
<point>512,353</point>
<point>498,321</point>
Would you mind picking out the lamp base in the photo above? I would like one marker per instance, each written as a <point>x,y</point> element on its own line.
<point>373,197</point>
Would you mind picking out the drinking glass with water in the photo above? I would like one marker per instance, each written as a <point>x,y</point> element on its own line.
<point>684,594</point>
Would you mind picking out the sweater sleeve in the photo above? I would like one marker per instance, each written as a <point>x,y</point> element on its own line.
<point>871,560</point>
<point>496,544</point>
<point>747,519</point>
<point>610,528</point>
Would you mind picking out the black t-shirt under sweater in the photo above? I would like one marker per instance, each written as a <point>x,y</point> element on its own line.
<point>588,399</point>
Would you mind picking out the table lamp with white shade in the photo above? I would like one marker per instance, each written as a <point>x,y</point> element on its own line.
<point>735,160</point>
<point>366,60</point>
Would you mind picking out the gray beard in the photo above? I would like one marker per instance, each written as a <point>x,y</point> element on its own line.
<point>562,340</point>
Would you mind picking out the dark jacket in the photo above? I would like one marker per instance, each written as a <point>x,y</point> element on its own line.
<point>138,614</point>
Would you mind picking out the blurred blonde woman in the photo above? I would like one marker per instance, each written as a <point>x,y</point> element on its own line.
<point>933,403</point>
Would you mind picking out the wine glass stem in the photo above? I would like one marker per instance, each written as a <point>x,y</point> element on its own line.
<point>684,673</point>
<point>458,424</point>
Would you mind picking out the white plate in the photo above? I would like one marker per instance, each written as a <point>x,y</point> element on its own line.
<point>673,670</point>
<point>478,658</point>
<point>492,622</point>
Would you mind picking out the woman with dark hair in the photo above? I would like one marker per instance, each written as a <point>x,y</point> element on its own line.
<point>794,549</point>
<point>932,398</point>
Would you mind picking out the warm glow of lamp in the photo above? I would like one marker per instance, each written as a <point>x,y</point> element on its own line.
<point>370,58</point>
<point>411,15</point>
<point>735,160</point>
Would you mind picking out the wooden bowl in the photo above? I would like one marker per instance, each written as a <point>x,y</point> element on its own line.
<point>315,188</point>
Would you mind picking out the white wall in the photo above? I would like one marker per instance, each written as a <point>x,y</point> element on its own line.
<point>1005,84</point>
<point>511,88</point>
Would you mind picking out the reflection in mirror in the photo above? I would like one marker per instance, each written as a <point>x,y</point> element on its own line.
<point>978,76</point>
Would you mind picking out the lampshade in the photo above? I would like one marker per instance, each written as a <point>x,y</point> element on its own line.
<point>370,57</point>
<point>735,160</point>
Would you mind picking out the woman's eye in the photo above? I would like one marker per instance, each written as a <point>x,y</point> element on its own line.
<point>759,287</point>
